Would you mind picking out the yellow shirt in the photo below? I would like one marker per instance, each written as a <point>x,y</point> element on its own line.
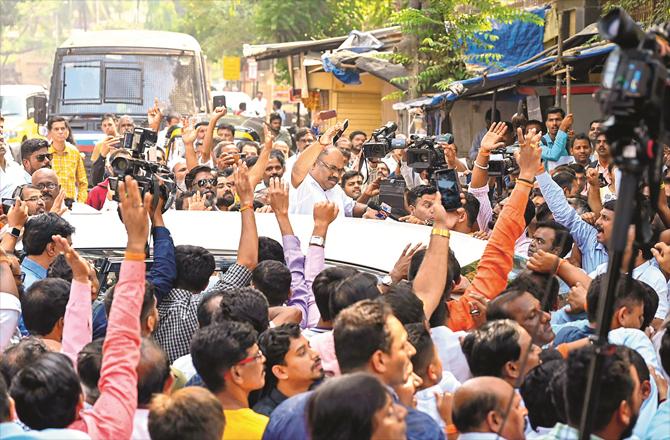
<point>244,424</point>
<point>69,167</point>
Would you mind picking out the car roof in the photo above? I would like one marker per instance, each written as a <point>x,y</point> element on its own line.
<point>20,89</point>
<point>132,38</point>
<point>363,243</point>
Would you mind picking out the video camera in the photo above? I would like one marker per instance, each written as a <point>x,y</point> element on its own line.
<point>382,141</point>
<point>150,176</point>
<point>502,161</point>
<point>422,154</point>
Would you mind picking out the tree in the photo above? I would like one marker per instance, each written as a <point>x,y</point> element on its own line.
<point>443,29</point>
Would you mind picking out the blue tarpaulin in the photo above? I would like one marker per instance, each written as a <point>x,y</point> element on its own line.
<point>516,42</point>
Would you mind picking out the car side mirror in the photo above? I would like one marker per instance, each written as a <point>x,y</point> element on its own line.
<point>219,101</point>
<point>36,106</point>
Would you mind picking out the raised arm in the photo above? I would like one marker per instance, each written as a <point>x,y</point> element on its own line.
<point>164,270</point>
<point>256,172</point>
<point>309,156</point>
<point>247,253</point>
<point>595,203</point>
<point>16,218</point>
<point>208,142</point>
<point>113,413</point>
<point>545,262</point>
<point>491,140</point>
<point>154,116</point>
<point>78,327</point>
<point>188,135</point>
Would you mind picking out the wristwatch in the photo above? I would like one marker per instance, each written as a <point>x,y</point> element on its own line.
<point>317,241</point>
<point>387,280</point>
<point>16,232</point>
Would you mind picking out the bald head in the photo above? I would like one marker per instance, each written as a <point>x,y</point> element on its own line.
<point>328,168</point>
<point>46,180</point>
<point>476,398</point>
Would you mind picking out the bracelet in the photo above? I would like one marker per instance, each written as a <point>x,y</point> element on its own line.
<point>525,180</point>
<point>134,256</point>
<point>481,167</point>
<point>441,232</point>
<point>525,183</point>
<point>321,143</point>
<point>245,207</point>
<point>451,429</point>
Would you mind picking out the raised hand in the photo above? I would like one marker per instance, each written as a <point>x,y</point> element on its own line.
<point>478,306</point>
<point>401,267</point>
<point>219,113</point>
<point>566,123</point>
<point>58,207</point>
<point>197,203</point>
<point>444,403</point>
<point>662,254</point>
<point>154,115</point>
<point>493,138</point>
<point>134,214</point>
<point>593,177</point>
<point>577,298</point>
<point>444,219</point>
<point>543,262</point>
<point>590,218</point>
<point>18,214</point>
<point>242,185</point>
<point>188,134</point>
<point>372,189</point>
<point>278,194</point>
<point>80,267</point>
<point>325,213</point>
<point>326,138</point>
<point>268,136</point>
<point>529,156</point>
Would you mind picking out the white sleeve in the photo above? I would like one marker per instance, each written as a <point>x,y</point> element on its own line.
<point>10,310</point>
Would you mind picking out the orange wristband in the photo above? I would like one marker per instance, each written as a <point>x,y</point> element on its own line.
<point>134,256</point>
<point>451,429</point>
<point>245,207</point>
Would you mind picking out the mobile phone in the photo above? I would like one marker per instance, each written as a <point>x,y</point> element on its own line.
<point>339,133</point>
<point>601,178</point>
<point>327,114</point>
<point>449,188</point>
<point>7,204</point>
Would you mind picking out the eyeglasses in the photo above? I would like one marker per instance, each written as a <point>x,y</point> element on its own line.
<point>48,185</point>
<point>250,359</point>
<point>19,276</point>
<point>34,199</point>
<point>332,168</point>
<point>43,157</point>
<point>203,182</point>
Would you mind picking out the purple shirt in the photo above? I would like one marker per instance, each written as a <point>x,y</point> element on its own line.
<point>303,271</point>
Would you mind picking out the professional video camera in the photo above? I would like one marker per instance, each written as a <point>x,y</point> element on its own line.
<point>502,161</point>
<point>422,154</point>
<point>382,141</point>
<point>150,176</point>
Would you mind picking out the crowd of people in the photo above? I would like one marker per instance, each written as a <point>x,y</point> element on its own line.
<point>285,346</point>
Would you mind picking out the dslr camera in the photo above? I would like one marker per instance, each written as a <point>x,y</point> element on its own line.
<point>150,176</point>
<point>422,154</point>
<point>382,141</point>
<point>502,161</point>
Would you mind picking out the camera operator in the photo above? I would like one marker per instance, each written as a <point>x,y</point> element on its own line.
<point>100,194</point>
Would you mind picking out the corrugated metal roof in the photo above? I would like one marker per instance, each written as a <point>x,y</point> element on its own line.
<point>389,36</point>
<point>133,38</point>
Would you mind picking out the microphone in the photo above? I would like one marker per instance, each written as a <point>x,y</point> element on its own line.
<point>384,210</point>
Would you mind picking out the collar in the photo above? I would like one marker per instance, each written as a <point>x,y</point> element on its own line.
<point>562,431</point>
<point>277,396</point>
<point>35,268</point>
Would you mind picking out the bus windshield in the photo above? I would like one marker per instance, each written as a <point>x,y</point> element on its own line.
<point>12,105</point>
<point>126,83</point>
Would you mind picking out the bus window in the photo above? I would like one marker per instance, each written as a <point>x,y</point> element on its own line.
<point>123,85</point>
<point>81,82</point>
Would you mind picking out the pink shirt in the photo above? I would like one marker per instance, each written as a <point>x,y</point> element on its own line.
<point>77,326</point>
<point>324,344</point>
<point>113,413</point>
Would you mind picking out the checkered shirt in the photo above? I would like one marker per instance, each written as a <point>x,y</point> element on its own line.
<point>69,166</point>
<point>177,313</point>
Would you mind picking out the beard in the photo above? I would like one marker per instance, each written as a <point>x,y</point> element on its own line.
<point>629,430</point>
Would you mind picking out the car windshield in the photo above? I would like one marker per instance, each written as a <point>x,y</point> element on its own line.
<point>12,105</point>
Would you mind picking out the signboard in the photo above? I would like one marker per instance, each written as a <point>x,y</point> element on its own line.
<point>253,68</point>
<point>231,68</point>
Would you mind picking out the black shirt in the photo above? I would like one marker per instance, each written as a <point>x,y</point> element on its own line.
<point>268,403</point>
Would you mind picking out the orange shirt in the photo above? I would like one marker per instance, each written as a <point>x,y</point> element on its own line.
<point>497,260</point>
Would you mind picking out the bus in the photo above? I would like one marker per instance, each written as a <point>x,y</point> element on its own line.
<point>121,72</point>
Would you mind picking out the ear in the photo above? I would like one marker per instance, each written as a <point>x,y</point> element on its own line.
<point>646,389</point>
<point>280,372</point>
<point>411,209</point>
<point>51,249</point>
<point>378,362</point>
<point>462,217</point>
<point>60,323</point>
<point>169,382</point>
<point>432,373</point>
<point>494,421</point>
<point>620,316</point>
<point>12,410</point>
<point>511,370</point>
<point>624,413</point>
<point>151,323</point>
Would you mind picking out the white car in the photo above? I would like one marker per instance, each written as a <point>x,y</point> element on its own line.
<point>372,246</point>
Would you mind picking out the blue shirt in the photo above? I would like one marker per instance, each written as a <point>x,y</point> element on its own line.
<point>34,272</point>
<point>593,252</point>
<point>553,150</point>
<point>573,333</point>
<point>164,270</point>
<point>660,423</point>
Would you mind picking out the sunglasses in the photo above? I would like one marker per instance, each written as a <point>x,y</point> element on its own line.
<point>43,157</point>
<point>203,182</point>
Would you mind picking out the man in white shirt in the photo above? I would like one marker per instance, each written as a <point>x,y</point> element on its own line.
<point>259,105</point>
<point>34,155</point>
<point>316,176</point>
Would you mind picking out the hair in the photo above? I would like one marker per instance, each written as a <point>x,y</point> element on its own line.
<point>420,338</point>
<point>359,331</point>
<point>107,116</point>
<point>351,290</point>
<point>497,307</point>
<point>541,410</point>
<point>581,137</point>
<point>626,295</point>
<point>274,117</point>
<point>406,306</point>
<point>276,154</point>
<point>640,366</point>
<point>529,212</point>
<point>189,180</point>
<point>189,413</point>
<point>195,265</point>
<point>616,383</point>
<point>552,109</point>
<point>20,354</point>
<point>471,208</point>
<point>491,346</point>
<point>46,392</point>
<point>441,313</point>
<point>148,302</point>
<point>250,143</point>
<point>348,176</point>
<point>89,363</point>
<point>610,205</point>
<point>270,249</point>
<point>40,228</point>
<point>343,408</point>
<point>538,123</point>
<point>595,121</point>
<point>324,285</point>
<point>5,406</point>
<point>301,133</point>
<point>355,133</point>
<point>565,168</point>
<point>44,304</point>
<point>153,370</point>
<point>53,119</point>
<point>544,287</point>
<point>562,237</point>
<point>273,279</point>
<point>218,347</point>
<point>275,343</point>
<point>226,127</point>
<point>489,113</point>
<point>565,180</point>
<point>543,213</point>
<point>206,310</point>
<point>244,304</point>
<point>29,146</point>
<point>471,413</point>
<point>419,191</point>
<point>651,301</point>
